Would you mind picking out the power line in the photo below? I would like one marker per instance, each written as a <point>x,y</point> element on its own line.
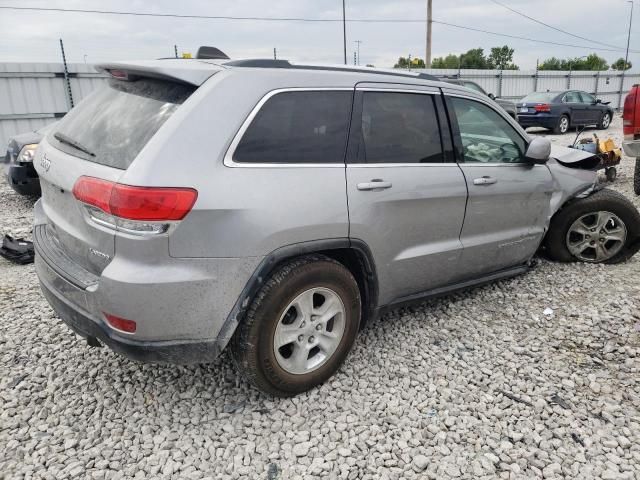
<point>295,19</point>
<point>523,38</point>
<point>554,28</point>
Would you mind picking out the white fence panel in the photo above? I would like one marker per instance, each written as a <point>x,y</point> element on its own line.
<point>34,94</point>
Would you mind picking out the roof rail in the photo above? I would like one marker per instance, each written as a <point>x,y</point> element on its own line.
<point>273,63</point>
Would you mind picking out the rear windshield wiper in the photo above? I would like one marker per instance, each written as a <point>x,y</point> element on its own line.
<point>62,138</point>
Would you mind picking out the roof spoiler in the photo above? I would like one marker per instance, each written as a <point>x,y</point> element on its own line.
<point>176,70</point>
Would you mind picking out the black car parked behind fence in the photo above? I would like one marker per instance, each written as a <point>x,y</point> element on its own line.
<point>561,110</point>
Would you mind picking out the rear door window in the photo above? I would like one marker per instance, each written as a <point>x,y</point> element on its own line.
<point>399,128</point>
<point>308,127</point>
<point>114,123</point>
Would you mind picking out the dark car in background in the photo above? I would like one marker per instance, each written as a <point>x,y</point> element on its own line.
<point>561,110</point>
<point>508,106</point>
<point>21,175</point>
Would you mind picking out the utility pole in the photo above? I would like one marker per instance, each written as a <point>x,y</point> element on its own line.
<point>175,50</point>
<point>358,42</point>
<point>355,58</point>
<point>427,57</point>
<point>344,31</point>
<point>626,58</point>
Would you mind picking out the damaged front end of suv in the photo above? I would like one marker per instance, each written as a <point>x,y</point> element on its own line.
<point>588,222</point>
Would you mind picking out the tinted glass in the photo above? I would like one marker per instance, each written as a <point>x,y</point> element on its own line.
<point>115,122</point>
<point>399,128</point>
<point>298,127</point>
<point>540,97</point>
<point>486,136</point>
<point>586,98</point>
<point>572,97</point>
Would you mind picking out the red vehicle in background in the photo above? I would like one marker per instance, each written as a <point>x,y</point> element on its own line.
<point>631,130</point>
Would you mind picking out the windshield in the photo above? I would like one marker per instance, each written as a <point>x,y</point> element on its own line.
<point>540,97</point>
<point>114,123</point>
<point>475,87</point>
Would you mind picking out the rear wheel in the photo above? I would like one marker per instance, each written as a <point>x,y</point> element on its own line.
<point>601,228</point>
<point>605,121</point>
<point>636,177</point>
<point>563,124</point>
<point>300,327</point>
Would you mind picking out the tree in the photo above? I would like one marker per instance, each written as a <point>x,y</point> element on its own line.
<point>620,65</point>
<point>591,62</point>
<point>502,58</point>
<point>450,61</point>
<point>552,63</point>
<point>474,58</point>
<point>403,62</point>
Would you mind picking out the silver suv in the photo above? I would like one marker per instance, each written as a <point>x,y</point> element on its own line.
<point>274,208</point>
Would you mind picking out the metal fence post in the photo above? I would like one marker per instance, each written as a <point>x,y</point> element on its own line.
<point>66,78</point>
<point>535,79</point>
<point>595,90</point>
<point>620,91</point>
<point>500,84</point>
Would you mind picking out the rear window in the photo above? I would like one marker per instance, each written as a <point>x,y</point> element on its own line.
<point>114,123</point>
<point>298,127</point>
<point>539,97</point>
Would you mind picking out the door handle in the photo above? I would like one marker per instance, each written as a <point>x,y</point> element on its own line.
<point>375,184</point>
<point>484,180</point>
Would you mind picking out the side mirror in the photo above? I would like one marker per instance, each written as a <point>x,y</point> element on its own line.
<point>539,151</point>
<point>491,96</point>
<point>598,100</point>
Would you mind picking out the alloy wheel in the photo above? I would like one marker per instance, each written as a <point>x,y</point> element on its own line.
<point>596,237</point>
<point>606,120</point>
<point>564,125</point>
<point>309,330</point>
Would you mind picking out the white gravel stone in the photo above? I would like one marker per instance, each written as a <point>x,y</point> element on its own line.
<point>481,384</point>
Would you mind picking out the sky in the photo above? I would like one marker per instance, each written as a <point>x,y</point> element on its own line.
<point>32,36</point>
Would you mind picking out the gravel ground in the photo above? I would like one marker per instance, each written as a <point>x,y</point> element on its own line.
<point>483,384</point>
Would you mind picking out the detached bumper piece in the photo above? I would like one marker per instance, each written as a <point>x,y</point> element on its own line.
<point>18,250</point>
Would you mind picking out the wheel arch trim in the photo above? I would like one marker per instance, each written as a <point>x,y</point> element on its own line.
<point>271,261</point>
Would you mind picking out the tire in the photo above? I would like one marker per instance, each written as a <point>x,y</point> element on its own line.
<point>563,124</point>
<point>562,241</point>
<point>636,177</point>
<point>605,121</point>
<point>272,312</point>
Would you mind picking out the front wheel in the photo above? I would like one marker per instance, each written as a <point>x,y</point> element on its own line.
<point>300,327</point>
<point>601,228</point>
<point>605,121</point>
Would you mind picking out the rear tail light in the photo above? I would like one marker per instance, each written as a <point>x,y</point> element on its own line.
<point>629,114</point>
<point>119,323</point>
<point>542,107</point>
<point>132,207</point>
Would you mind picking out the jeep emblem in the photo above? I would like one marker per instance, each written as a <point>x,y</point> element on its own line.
<point>45,163</point>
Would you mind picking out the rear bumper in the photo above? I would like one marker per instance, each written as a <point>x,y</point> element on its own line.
<point>631,148</point>
<point>181,353</point>
<point>539,120</point>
